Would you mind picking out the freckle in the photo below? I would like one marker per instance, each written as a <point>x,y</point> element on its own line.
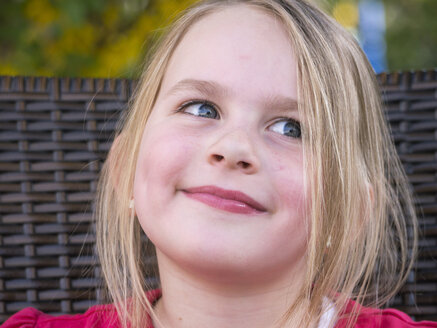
<point>180,319</point>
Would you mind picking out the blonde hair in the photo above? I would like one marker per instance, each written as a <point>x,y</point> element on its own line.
<point>361,203</point>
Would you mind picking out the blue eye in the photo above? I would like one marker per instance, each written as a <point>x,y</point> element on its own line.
<point>202,109</point>
<point>287,127</point>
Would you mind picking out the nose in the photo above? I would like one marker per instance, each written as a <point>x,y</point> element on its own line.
<point>234,150</point>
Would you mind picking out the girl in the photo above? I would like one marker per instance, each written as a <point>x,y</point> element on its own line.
<point>256,159</point>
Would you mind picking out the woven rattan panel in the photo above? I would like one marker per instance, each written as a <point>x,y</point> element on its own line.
<point>411,107</point>
<point>54,136</point>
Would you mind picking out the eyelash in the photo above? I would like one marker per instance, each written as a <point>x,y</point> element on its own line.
<point>185,105</point>
<point>181,108</point>
<point>294,122</point>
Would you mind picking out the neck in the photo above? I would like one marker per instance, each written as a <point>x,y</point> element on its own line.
<point>190,300</point>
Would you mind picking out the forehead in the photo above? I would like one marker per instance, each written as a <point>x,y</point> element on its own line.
<point>239,46</point>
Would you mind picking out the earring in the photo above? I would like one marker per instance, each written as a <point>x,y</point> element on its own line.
<point>131,203</point>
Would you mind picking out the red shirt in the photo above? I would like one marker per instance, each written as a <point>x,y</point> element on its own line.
<point>103,316</point>
<point>387,318</point>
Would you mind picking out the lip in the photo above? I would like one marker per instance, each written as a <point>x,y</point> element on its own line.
<point>229,200</point>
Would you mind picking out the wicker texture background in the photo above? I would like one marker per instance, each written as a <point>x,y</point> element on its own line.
<point>54,136</point>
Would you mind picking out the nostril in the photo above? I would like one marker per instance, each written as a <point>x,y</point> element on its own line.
<point>218,158</point>
<point>244,165</point>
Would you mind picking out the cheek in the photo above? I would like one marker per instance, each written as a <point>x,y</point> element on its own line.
<point>162,157</point>
<point>293,196</point>
<point>289,180</point>
<point>291,227</point>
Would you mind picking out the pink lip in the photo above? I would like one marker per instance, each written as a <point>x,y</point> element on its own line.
<point>228,200</point>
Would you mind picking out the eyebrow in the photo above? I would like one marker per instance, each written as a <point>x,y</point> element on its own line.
<point>207,88</point>
<point>215,90</point>
<point>282,104</point>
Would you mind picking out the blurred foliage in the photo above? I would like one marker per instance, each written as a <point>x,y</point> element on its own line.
<point>411,34</point>
<point>109,38</point>
<point>411,30</point>
<point>87,38</point>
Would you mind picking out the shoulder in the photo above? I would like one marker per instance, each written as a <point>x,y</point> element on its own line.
<point>387,318</point>
<point>98,316</point>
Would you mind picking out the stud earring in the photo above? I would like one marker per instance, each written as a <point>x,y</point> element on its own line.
<point>131,203</point>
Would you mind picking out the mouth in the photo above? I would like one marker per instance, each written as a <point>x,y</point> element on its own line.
<point>228,200</point>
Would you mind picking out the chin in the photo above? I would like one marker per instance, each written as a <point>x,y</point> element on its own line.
<point>224,264</point>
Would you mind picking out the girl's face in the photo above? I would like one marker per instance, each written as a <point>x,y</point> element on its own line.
<point>219,184</point>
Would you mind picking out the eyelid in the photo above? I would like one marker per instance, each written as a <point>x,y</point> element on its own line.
<point>185,104</point>
<point>285,118</point>
<point>288,119</point>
